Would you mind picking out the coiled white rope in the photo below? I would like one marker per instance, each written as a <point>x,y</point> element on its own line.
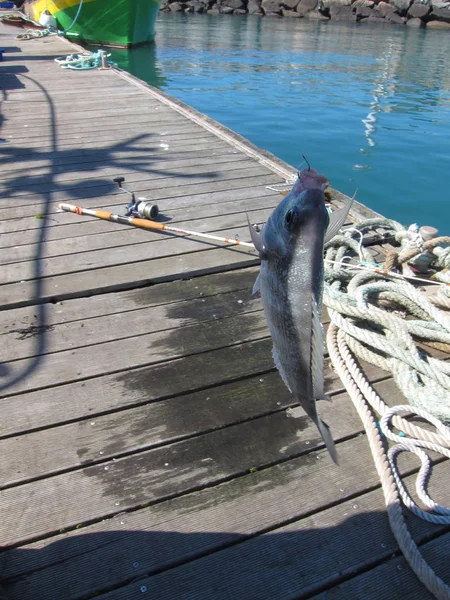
<point>359,390</point>
<point>380,321</point>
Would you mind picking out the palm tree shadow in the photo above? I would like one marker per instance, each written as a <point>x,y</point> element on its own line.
<point>22,188</point>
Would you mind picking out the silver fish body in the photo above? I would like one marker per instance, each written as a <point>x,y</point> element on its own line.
<point>291,285</point>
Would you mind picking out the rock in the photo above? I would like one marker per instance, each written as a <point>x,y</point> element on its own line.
<point>290,13</point>
<point>414,23</point>
<point>271,6</point>
<point>233,3</point>
<point>363,8</point>
<point>176,7</point>
<point>440,3</point>
<point>440,14</point>
<point>385,9</point>
<point>417,10</point>
<point>359,4</point>
<point>213,11</point>
<point>395,18</point>
<point>339,12</point>
<point>316,15</point>
<point>438,24</point>
<point>226,10</point>
<point>328,3</point>
<point>289,4</point>
<point>305,6</point>
<point>236,4</point>
<point>401,5</point>
<point>240,11</point>
<point>254,8</point>
<point>195,6</point>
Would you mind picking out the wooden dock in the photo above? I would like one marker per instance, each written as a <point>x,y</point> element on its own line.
<point>144,442</point>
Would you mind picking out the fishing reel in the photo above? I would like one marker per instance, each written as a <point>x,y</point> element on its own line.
<point>140,207</point>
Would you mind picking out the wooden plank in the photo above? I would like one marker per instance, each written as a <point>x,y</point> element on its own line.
<point>129,236</point>
<point>92,493</point>
<point>194,216</point>
<point>103,128</point>
<point>154,168</point>
<point>157,188</point>
<point>103,141</point>
<point>139,156</point>
<point>122,302</point>
<point>116,278</point>
<point>154,180</point>
<point>179,530</point>
<point>295,561</point>
<point>170,198</point>
<point>20,343</point>
<point>96,109</point>
<point>169,246</point>
<point>76,445</point>
<point>394,578</point>
<point>80,363</point>
<point>137,386</point>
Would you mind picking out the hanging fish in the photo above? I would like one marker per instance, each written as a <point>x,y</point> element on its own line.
<point>291,285</point>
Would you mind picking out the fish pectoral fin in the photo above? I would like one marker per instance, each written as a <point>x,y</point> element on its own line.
<point>279,366</point>
<point>337,219</point>
<point>317,350</point>
<point>257,285</point>
<point>257,240</point>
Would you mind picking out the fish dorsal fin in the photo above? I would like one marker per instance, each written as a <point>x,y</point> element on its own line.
<point>337,219</point>
<point>317,349</point>
<point>257,240</point>
<point>256,285</point>
<point>277,361</point>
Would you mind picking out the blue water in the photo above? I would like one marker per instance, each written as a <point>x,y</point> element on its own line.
<point>368,104</point>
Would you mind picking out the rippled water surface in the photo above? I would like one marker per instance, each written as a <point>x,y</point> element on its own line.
<point>369,105</point>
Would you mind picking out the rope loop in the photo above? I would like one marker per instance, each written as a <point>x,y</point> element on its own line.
<point>378,316</point>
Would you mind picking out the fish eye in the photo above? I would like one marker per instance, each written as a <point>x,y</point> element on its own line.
<point>289,217</point>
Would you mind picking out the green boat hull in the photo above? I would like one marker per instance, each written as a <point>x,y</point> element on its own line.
<point>120,23</point>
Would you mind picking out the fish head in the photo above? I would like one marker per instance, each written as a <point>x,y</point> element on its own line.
<point>299,217</point>
<point>309,179</point>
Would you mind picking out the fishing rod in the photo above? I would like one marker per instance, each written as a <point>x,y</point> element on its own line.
<point>140,212</point>
<point>147,224</point>
<point>156,226</point>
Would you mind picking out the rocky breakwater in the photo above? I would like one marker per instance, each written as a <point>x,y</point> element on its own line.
<point>419,13</point>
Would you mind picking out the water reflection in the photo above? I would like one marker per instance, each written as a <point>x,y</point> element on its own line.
<point>142,62</point>
<point>365,102</point>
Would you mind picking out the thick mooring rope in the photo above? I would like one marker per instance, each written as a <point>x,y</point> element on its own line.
<point>384,321</point>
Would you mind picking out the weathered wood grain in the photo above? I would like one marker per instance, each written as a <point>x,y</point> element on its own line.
<point>170,198</point>
<point>76,445</point>
<point>79,364</point>
<point>122,236</point>
<point>65,227</point>
<point>123,393</point>
<point>193,175</point>
<point>20,343</point>
<point>121,302</point>
<point>187,527</point>
<point>119,278</point>
<point>394,578</point>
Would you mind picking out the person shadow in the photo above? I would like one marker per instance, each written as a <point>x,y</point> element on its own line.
<point>356,557</point>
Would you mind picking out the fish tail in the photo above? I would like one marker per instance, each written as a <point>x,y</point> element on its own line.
<point>327,438</point>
